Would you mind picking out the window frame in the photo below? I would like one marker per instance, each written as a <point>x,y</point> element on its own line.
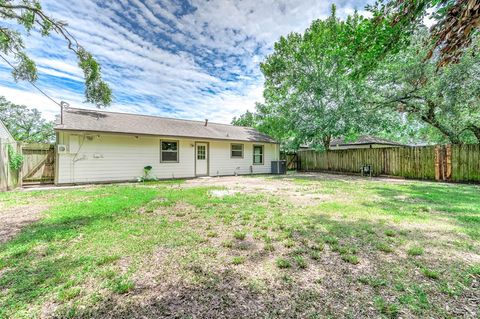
<point>177,151</point>
<point>262,147</point>
<point>231,150</point>
<point>204,154</point>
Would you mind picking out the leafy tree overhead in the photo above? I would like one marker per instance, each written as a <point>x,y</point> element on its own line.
<point>309,89</point>
<point>29,15</point>
<point>455,24</point>
<point>447,99</point>
<point>246,119</point>
<point>26,125</point>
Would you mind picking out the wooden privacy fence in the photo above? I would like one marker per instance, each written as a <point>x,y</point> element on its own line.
<point>292,160</point>
<point>9,178</point>
<point>38,163</point>
<point>457,163</point>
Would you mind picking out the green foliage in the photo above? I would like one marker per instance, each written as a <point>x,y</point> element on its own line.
<point>30,15</point>
<point>312,91</point>
<point>283,263</point>
<point>447,100</point>
<point>147,175</point>
<point>26,125</point>
<point>15,160</point>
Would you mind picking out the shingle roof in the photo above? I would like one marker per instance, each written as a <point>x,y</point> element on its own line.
<point>362,140</point>
<point>102,121</point>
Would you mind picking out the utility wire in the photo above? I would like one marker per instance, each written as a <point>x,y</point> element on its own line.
<point>31,82</point>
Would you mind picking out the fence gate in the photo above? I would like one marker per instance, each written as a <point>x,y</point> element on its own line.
<point>443,163</point>
<point>38,163</point>
<point>292,160</point>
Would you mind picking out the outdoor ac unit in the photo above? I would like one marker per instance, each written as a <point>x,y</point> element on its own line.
<point>61,149</point>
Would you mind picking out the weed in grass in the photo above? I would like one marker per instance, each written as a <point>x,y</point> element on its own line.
<point>352,259</point>
<point>415,251</point>
<point>107,260</point>
<point>415,298</point>
<point>108,273</point>
<point>69,294</point>
<point>372,281</point>
<point>239,235</point>
<point>283,263</point>
<point>432,274</point>
<point>331,240</point>
<point>287,279</point>
<point>316,246</point>
<point>289,243</point>
<point>300,262</point>
<point>390,233</point>
<point>384,247</point>
<point>212,234</point>
<point>315,255</point>
<point>238,260</point>
<point>299,251</point>
<point>121,285</point>
<point>390,310</point>
<point>269,247</point>
<point>227,244</point>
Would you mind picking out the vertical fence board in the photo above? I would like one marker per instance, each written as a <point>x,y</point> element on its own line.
<point>458,163</point>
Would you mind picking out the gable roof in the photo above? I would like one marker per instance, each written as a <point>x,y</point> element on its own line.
<point>4,132</point>
<point>363,140</point>
<point>102,121</point>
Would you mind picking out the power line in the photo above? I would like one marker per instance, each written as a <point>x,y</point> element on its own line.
<point>31,82</point>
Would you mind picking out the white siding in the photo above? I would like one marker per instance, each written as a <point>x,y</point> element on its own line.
<point>107,157</point>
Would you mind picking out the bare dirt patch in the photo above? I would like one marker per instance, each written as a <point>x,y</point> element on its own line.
<point>12,220</point>
<point>296,194</point>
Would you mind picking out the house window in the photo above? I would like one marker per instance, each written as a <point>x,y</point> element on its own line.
<point>201,151</point>
<point>257,154</point>
<point>169,151</point>
<point>236,150</point>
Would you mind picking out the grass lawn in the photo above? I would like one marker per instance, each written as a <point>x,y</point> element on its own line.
<point>271,247</point>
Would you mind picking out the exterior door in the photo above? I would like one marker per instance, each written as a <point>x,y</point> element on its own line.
<point>201,159</point>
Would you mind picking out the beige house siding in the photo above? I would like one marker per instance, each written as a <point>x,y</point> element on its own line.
<point>105,157</point>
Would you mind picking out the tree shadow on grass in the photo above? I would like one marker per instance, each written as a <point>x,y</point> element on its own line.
<point>459,203</point>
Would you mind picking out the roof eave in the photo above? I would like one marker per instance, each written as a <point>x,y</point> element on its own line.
<point>162,135</point>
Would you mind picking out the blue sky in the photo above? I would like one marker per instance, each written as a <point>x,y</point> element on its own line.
<point>185,59</point>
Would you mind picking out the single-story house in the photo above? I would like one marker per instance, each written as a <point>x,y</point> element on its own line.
<point>365,141</point>
<point>99,146</point>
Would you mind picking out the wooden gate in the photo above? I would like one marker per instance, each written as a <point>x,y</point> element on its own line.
<point>292,160</point>
<point>38,164</point>
<point>443,163</point>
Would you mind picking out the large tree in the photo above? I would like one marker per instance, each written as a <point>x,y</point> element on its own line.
<point>309,90</point>
<point>26,125</point>
<point>30,15</point>
<point>447,99</point>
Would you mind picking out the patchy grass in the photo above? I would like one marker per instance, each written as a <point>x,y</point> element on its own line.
<point>407,249</point>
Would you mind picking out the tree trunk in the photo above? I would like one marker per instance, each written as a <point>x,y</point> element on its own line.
<point>326,142</point>
<point>431,119</point>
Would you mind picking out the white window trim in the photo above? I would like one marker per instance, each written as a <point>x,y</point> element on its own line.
<point>231,150</point>
<point>178,151</point>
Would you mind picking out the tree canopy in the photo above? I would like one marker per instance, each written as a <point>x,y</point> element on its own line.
<point>447,99</point>
<point>310,92</point>
<point>455,23</point>
<point>26,125</point>
<point>29,15</point>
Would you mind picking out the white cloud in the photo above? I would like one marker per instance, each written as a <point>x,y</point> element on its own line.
<point>167,58</point>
